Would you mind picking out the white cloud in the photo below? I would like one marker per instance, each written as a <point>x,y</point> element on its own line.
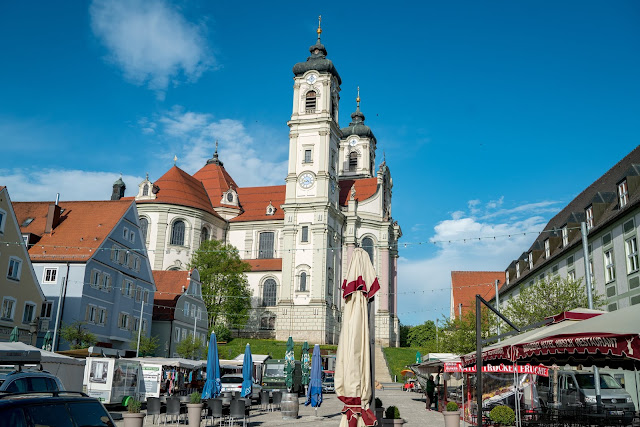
<point>150,41</point>
<point>43,184</point>
<point>192,136</point>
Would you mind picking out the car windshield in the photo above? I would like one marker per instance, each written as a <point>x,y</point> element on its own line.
<point>586,381</point>
<point>274,370</point>
<point>231,380</point>
<point>328,380</point>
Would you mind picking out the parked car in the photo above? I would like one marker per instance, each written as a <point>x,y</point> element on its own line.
<point>328,385</point>
<point>54,409</point>
<point>233,382</point>
<point>29,381</point>
<point>274,377</point>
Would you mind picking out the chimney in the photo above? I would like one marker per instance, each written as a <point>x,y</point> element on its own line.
<point>53,218</point>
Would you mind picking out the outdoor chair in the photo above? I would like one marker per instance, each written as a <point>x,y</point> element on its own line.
<point>153,408</point>
<point>173,409</point>
<point>264,399</point>
<point>215,410</point>
<point>277,398</point>
<point>238,411</point>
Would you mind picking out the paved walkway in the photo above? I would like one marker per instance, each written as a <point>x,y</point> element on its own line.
<point>411,406</point>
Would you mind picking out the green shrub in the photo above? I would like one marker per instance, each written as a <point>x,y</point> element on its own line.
<point>392,413</point>
<point>378,403</point>
<point>223,334</point>
<point>134,406</point>
<point>502,415</point>
<point>452,406</point>
<point>195,397</point>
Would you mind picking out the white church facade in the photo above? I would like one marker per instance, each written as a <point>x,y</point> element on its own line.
<point>297,237</point>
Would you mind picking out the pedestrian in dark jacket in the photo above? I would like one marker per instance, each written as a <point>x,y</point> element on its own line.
<point>431,388</point>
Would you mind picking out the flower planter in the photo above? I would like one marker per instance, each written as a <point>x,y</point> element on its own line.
<point>389,422</point>
<point>194,411</point>
<point>133,419</point>
<point>451,418</point>
<point>379,415</point>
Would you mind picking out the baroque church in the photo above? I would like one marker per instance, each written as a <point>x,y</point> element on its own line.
<point>297,237</point>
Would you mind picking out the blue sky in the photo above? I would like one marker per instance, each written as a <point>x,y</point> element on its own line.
<point>493,115</point>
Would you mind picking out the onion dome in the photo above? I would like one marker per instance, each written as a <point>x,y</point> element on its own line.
<point>357,126</point>
<point>214,160</point>
<point>317,61</point>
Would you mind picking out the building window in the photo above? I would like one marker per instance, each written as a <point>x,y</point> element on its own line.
<point>367,245</point>
<point>268,321</point>
<point>127,288</point>
<point>589,213</point>
<point>138,294</point>
<point>307,156</point>
<point>303,282</point>
<point>50,275</point>
<point>554,270</point>
<point>530,260</point>
<point>144,226</point>
<point>353,161</point>
<point>631,249</point>
<point>102,316</point>
<point>591,270</point>
<point>136,324</point>
<point>184,334</point>
<point>145,296</point>
<point>132,236</point>
<point>571,275</point>
<point>305,234</point>
<point>310,102</point>
<point>177,335</point>
<point>330,277</point>
<point>144,326</point>
<point>606,239</point>
<point>45,311</point>
<point>269,293</point>
<point>177,233</point>
<point>106,282</point>
<point>204,235</point>
<point>517,270</point>
<point>623,193</point>
<point>193,311</point>
<point>127,258</point>
<point>265,246</point>
<point>628,226</point>
<point>123,321</point>
<point>565,236</point>
<point>199,315</point>
<point>125,233</point>
<point>609,266</point>
<point>8,308</point>
<point>547,249</point>
<point>94,281</point>
<point>570,261</point>
<point>145,190</point>
<point>29,312</point>
<point>15,266</point>
<point>186,309</point>
<point>3,217</point>
<point>136,264</point>
<point>90,314</point>
<point>506,277</point>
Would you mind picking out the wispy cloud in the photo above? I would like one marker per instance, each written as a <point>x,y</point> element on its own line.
<point>151,41</point>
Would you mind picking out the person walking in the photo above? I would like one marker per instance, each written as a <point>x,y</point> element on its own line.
<point>431,388</point>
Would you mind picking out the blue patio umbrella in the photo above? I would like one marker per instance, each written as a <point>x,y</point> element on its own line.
<point>15,335</point>
<point>314,393</point>
<point>247,368</point>
<point>212,385</point>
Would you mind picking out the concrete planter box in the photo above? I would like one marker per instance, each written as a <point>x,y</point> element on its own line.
<point>194,411</point>
<point>451,418</point>
<point>133,419</point>
<point>390,422</point>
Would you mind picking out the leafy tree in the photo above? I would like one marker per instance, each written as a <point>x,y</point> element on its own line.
<point>77,336</point>
<point>404,335</point>
<point>422,335</point>
<point>459,335</point>
<point>148,345</point>
<point>190,348</point>
<point>548,297</point>
<point>223,334</point>
<point>225,288</point>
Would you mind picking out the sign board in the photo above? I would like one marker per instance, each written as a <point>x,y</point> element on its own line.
<point>541,370</point>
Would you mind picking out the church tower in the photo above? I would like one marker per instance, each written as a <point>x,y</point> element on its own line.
<point>309,297</point>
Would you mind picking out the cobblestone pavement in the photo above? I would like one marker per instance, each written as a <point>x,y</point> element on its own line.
<point>411,406</point>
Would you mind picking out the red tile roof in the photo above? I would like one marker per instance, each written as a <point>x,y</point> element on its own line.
<point>169,287</point>
<point>254,201</point>
<point>177,187</point>
<point>82,228</point>
<point>365,188</point>
<point>216,181</point>
<point>271,264</point>
<point>466,284</point>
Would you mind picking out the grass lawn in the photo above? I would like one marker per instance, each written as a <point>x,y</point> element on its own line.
<point>399,357</point>
<point>275,348</point>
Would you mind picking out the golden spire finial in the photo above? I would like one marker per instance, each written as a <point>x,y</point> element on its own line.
<point>358,98</point>
<point>319,31</point>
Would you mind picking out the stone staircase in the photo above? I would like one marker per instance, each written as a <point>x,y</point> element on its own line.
<point>382,370</point>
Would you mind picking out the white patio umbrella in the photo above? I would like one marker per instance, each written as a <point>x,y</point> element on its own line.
<point>353,359</point>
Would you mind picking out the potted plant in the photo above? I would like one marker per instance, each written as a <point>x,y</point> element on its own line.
<point>194,409</point>
<point>502,415</point>
<point>392,417</point>
<point>451,415</point>
<point>133,417</point>
<point>379,411</point>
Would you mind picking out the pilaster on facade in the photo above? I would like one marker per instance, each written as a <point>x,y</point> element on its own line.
<point>161,241</point>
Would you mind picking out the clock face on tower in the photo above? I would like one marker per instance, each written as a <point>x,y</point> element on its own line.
<point>353,142</point>
<point>311,79</point>
<point>306,180</point>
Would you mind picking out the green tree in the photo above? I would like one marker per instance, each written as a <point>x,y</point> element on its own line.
<point>548,297</point>
<point>148,345</point>
<point>225,288</point>
<point>459,335</point>
<point>77,335</point>
<point>190,348</point>
<point>422,335</point>
<point>404,335</point>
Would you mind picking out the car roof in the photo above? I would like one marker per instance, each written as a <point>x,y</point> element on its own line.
<point>34,398</point>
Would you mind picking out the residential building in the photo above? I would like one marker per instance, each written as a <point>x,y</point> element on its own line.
<point>179,310</point>
<point>465,285</point>
<point>298,237</point>
<point>21,295</point>
<point>610,207</point>
<point>90,255</point>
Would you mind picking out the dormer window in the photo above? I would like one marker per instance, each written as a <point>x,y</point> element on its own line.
<point>506,276</point>
<point>565,236</point>
<point>517,270</point>
<point>145,190</point>
<point>530,260</point>
<point>547,249</point>
<point>623,193</point>
<point>271,209</point>
<point>310,102</point>
<point>589,213</point>
<point>230,197</point>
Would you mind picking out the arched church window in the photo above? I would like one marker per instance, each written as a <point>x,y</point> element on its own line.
<point>269,293</point>
<point>177,233</point>
<point>145,190</point>
<point>310,102</point>
<point>303,282</point>
<point>353,161</point>
<point>204,235</point>
<point>367,245</point>
<point>144,226</point>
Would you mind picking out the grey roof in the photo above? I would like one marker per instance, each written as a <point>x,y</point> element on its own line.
<point>357,126</point>
<point>576,218</point>
<point>604,197</point>
<point>317,61</point>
